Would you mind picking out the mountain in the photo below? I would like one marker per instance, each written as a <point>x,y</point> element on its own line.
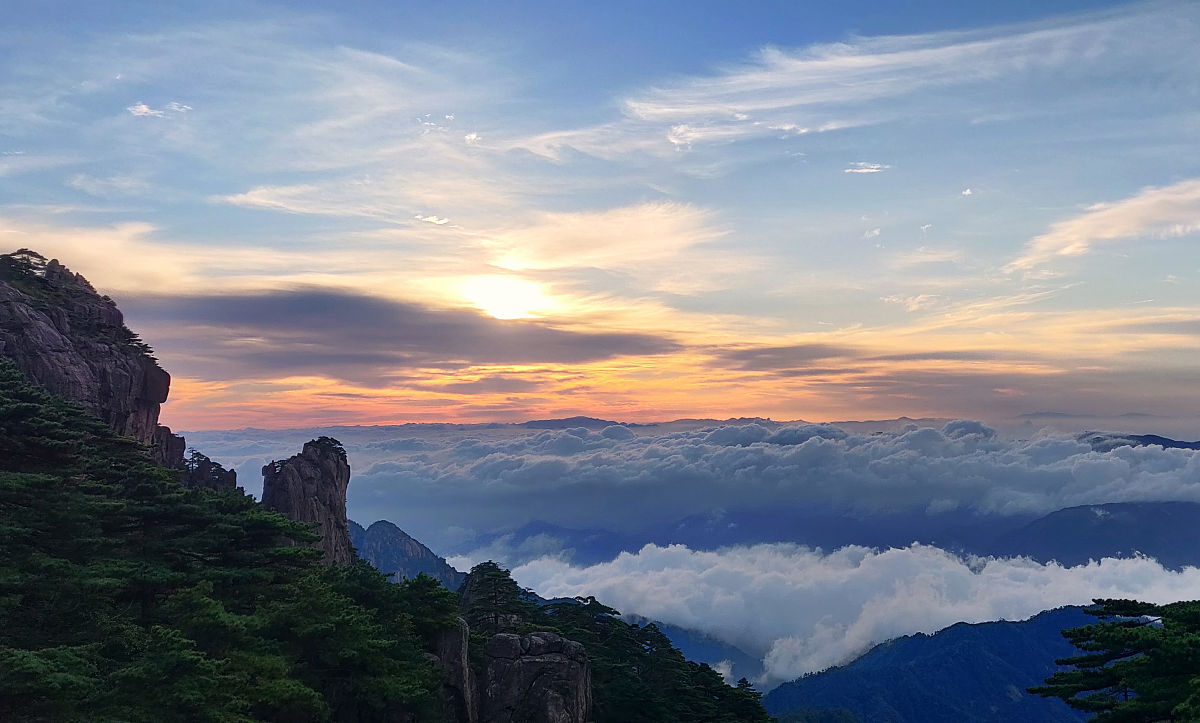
<point>393,552</point>
<point>829,528</point>
<point>1166,531</point>
<point>1108,441</point>
<point>570,422</point>
<point>967,673</point>
<point>73,342</point>
<point>703,648</point>
<point>586,546</point>
<point>310,488</point>
<point>130,597</point>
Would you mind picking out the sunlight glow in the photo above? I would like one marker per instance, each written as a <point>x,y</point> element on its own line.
<point>505,297</point>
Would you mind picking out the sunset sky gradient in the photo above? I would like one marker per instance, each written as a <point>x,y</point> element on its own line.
<point>483,212</point>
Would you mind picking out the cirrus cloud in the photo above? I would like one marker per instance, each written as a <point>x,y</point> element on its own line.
<point>1164,212</point>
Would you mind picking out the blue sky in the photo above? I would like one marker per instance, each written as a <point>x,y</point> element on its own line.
<point>370,213</point>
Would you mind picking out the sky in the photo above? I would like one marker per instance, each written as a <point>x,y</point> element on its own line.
<point>359,213</point>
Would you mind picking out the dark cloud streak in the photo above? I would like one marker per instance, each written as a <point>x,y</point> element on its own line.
<point>356,337</point>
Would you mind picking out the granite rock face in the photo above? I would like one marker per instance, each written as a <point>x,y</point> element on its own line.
<point>459,696</point>
<point>393,552</point>
<point>311,487</point>
<point>535,678</point>
<point>72,342</point>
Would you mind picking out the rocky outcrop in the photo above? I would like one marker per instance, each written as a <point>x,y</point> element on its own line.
<point>393,552</point>
<point>73,342</point>
<point>200,471</point>
<point>311,487</point>
<point>535,678</point>
<point>459,697</point>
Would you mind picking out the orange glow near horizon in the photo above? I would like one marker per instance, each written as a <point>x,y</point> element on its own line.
<point>632,390</point>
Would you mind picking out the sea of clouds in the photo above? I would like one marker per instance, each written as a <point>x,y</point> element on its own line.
<point>447,484</point>
<point>467,492</point>
<point>802,610</point>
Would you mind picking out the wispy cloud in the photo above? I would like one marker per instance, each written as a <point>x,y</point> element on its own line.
<point>863,167</point>
<point>915,303</point>
<point>108,186</point>
<point>142,110</point>
<point>618,238</point>
<point>1165,212</point>
<point>870,80</point>
<point>14,163</point>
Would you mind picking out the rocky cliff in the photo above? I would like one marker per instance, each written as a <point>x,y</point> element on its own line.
<point>459,696</point>
<point>394,553</point>
<point>311,487</point>
<point>73,342</point>
<point>535,678</point>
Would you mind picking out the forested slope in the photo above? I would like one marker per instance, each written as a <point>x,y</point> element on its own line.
<point>125,596</point>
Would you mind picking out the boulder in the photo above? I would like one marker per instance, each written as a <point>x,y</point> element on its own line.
<point>535,678</point>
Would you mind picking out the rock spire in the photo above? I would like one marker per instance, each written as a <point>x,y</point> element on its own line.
<point>311,487</point>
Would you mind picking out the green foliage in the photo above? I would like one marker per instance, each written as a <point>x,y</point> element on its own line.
<point>637,674</point>
<point>126,597</point>
<point>1141,662</point>
<point>200,471</point>
<point>492,602</point>
<point>22,268</point>
<point>331,444</point>
<point>428,604</point>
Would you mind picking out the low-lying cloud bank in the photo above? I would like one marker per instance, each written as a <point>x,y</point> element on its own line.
<point>802,610</point>
<point>447,484</point>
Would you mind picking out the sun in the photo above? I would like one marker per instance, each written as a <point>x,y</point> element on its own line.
<point>506,297</point>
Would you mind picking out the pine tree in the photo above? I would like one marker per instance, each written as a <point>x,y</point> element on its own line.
<point>491,600</point>
<point>1140,663</point>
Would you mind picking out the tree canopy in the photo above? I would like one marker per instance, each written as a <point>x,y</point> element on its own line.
<point>1140,662</point>
<point>125,596</point>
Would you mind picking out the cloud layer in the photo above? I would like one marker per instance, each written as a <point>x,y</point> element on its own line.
<point>480,479</point>
<point>550,503</point>
<point>801,610</point>
<point>359,338</point>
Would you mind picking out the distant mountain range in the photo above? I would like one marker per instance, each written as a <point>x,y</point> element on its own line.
<point>964,674</point>
<point>1108,441</point>
<point>967,673</point>
<point>1167,531</point>
<point>569,422</point>
<point>698,646</point>
<point>394,553</point>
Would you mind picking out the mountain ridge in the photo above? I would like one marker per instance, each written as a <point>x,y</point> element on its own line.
<point>966,673</point>
<point>399,556</point>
